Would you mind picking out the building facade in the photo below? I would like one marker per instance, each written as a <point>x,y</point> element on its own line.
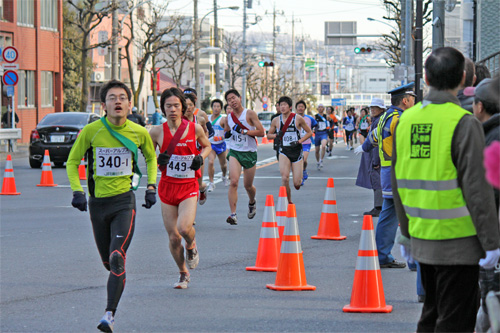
<point>34,27</point>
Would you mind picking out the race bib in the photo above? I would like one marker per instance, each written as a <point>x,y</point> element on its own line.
<point>178,166</point>
<point>349,127</point>
<point>239,141</point>
<point>289,137</point>
<point>112,162</point>
<point>364,125</point>
<point>321,126</point>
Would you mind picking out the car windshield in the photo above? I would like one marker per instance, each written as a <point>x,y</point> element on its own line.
<point>65,119</point>
<point>265,116</point>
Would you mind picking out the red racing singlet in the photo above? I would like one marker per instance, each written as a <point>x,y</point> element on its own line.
<point>177,170</point>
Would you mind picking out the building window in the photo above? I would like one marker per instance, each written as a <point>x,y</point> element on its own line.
<point>26,89</point>
<point>381,80</point>
<point>49,14</point>
<point>47,89</point>
<point>5,40</point>
<point>1,10</point>
<point>25,13</point>
<point>373,80</point>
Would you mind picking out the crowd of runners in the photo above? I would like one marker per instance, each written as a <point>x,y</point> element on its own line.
<point>189,138</point>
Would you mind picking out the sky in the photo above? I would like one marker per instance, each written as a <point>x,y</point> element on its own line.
<point>309,15</point>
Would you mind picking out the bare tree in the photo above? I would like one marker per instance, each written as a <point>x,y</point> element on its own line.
<point>232,47</point>
<point>391,43</point>
<point>148,37</point>
<point>87,19</point>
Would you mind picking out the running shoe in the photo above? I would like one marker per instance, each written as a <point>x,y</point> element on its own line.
<point>305,175</point>
<point>347,148</point>
<point>351,148</point>
<point>393,264</point>
<point>192,257</point>
<point>226,181</point>
<point>320,165</point>
<point>107,322</point>
<point>252,210</point>
<point>232,219</point>
<point>303,181</point>
<point>203,196</point>
<point>330,153</point>
<point>183,281</point>
<point>210,187</point>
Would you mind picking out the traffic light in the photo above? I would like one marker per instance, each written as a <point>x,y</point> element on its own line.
<point>362,50</point>
<point>266,64</point>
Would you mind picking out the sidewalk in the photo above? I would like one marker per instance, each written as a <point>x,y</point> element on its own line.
<point>22,152</point>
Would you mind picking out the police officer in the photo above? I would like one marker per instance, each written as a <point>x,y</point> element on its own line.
<point>444,204</point>
<point>402,98</point>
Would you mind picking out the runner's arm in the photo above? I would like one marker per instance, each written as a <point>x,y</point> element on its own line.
<point>149,152</point>
<point>203,141</point>
<point>81,145</point>
<point>254,121</point>
<point>271,134</point>
<point>303,125</point>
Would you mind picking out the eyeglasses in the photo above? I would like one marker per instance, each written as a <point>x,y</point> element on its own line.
<point>113,98</point>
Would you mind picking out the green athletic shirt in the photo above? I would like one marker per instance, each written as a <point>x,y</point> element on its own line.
<point>110,164</point>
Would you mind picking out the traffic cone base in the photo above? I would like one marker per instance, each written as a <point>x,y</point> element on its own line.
<point>9,182</point>
<point>292,262</point>
<point>268,250</point>
<point>329,221</point>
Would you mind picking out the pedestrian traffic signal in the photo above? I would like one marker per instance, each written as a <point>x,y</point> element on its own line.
<point>362,50</point>
<point>266,64</point>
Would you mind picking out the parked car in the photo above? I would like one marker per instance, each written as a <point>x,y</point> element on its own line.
<point>265,119</point>
<point>57,132</point>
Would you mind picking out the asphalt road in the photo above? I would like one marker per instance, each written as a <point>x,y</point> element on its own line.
<point>52,279</point>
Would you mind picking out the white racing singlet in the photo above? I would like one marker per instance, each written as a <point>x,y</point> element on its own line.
<point>239,141</point>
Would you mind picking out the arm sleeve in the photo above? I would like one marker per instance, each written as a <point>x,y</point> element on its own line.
<point>82,144</point>
<point>400,212</point>
<point>467,154</point>
<point>149,153</point>
<point>210,129</point>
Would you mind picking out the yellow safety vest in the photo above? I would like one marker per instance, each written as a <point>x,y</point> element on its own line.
<point>426,176</point>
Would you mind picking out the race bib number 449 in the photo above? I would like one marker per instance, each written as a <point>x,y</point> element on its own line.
<point>112,162</point>
<point>178,166</point>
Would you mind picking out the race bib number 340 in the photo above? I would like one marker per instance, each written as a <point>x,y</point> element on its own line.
<point>112,162</point>
<point>178,166</point>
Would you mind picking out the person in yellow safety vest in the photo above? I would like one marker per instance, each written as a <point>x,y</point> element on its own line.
<point>443,202</point>
<point>402,98</point>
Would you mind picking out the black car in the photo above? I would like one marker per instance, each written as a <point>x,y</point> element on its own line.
<point>57,132</point>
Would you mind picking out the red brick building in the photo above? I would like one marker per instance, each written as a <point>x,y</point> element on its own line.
<point>34,27</point>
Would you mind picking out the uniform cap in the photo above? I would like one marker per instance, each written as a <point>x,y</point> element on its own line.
<point>406,89</point>
<point>377,102</point>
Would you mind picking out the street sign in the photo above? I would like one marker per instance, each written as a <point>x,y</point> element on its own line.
<point>264,106</point>
<point>338,101</point>
<point>10,91</point>
<point>102,37</point>
<point>264,99</point>
<point>10,78</point>
<point>310,65</point>
<point>325,88</point>
<point>10,54</point>
<point>10,67</point>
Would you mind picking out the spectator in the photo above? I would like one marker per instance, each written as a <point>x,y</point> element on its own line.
<point>444,204</point>
<point>7,119</point>
<point>136,118</point>
<point>470,78</point>
<point>156,117</point>
<point>482,72</point>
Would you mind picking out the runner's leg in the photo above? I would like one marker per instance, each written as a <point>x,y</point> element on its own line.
<point>234,176</point>
<point>211,169</point>
<point>285,166</point>
<point>323,148</point>
<point>306,155</point>
<point>223,163</point>
<point>297,170</point>
<point>248,176</point>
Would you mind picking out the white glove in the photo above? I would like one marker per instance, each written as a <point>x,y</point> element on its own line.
<point>359,150</point>
<point>491,259</point>
<point>406,253</point>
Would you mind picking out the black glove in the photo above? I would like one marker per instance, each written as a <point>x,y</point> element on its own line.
<point>294,144</point>
<point>227,135</point>
<point>79,201</point>
<point>237,128</point>
<point>150,198</point>
<point>197,163</point>
<point>210,129</point>
<point>277,135</point>
<point>163,158</point>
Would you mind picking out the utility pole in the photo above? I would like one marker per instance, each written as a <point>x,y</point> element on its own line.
<point>196,52</point>
<point>114,43</point>
<point>275,33</point>
<point>408,41</point>
<point>216,45</point>
<point>244,68</point>
<point>304,63</point>
<point>317,68</point>
<point>293,56</point>
<point>437,24</point>
<point>418,49</point>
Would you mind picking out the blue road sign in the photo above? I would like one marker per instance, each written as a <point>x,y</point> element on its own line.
<point>264,106</point>
<point>10,78</point>
<point>10,91</point>
<point>338,101</point>
<point>325,88</point>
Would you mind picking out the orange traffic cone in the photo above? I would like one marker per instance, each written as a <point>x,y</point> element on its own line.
<point>265,140</point>
<point>47,179</point>
<point>268,252</point>
<point>281,209</point>
<point>329,221</point>
<point>81,170</point>
<point>291,274</point>
<point>9,182</point>
<point>367,290</point>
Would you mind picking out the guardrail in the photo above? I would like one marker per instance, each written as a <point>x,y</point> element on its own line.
<point>8,137</point>
<point>493,63</point>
